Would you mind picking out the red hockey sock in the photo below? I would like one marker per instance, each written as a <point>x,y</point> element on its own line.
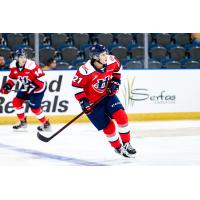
<point>112,137</point>
<point>122,120</point>
<point>18,105</point>
<point>39,114</point>
<point>21,117</point>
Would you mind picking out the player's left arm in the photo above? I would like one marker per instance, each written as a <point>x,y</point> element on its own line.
<point>117,70</point>
<point>37,77</point>
<point>7,87</point>
<point>115,82</point>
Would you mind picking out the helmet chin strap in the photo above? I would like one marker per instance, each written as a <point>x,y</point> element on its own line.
<point>99,62</point>
<point>96,60</point>
<point>20,67</point>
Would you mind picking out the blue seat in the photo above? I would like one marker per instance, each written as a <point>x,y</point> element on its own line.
<point>154,64</point>
<point>46,53</point>
<point>171,64</point>
<point>84,49</point>
<point>14,39</point>
<point>80,39</point>
<point>158,53</point>
<point>119,51</point>
<point>77,63</point>
<point>136,52</point>
<point>139,38</point>
<point>69,53</point>
<point>132,64</point>
<point>31,39</point>
<point>181,38</point>
<point>194,53</point>
<point>62,46</point>
<point>163,39</point>
<point>104,38</point>
<point>6,52</point>
<point>62,66</point>
<point>188,63</point>
<point>57,39</point>
<point>176,52</point>
<point>124,39</point>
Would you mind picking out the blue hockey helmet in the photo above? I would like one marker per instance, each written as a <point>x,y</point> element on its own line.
<point>20,52</point>
<point>96,49</point>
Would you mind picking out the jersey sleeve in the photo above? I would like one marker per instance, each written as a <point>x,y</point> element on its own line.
<point>117,70</point>
<point>79,82</point>
<point>12,78</point>
<point>36,73</point>
<point>37,78</point>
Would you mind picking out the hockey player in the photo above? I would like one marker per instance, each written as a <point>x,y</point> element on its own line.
<point>98,77</point>
<point>32,88</point>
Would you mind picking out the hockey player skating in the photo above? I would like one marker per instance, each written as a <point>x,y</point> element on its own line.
<point>98,77</point>
<point>32,89</point>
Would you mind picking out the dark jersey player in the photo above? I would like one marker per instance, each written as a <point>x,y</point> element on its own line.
<point>32,89</point>
<point>98,77</point>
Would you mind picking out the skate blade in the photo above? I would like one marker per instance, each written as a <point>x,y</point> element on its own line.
<point>45,131</point>
<point>127,156</point>
<point>22,130</point>
<point>132,155</point>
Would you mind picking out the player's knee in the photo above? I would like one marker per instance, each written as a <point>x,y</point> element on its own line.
<point>17,103</point>
<point>110,128</point>
<point>36,110</point>
<point>121,117</point>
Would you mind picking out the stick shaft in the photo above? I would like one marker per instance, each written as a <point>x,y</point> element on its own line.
<point>47,139</point>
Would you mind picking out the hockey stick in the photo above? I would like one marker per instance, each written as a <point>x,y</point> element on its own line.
<point>47,139</point>
<point>15,90</point>
<point>10,90</point>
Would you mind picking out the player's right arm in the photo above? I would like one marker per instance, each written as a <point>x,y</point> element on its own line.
<point>12,79</point>
<point>79,82</point>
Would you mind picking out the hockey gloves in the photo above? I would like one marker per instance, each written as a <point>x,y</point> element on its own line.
<point>85,105</point>
<point>113,86</point>
<point>6,88</point>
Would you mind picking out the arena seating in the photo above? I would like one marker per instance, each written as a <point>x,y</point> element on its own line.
<point>166,50</point>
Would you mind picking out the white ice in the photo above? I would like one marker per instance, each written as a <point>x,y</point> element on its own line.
<point>157,143</point>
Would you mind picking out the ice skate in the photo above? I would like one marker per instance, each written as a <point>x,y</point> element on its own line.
<point>127,146</point>
<point>44,127</point>
<point>122,151</point>
<point>21,126</point>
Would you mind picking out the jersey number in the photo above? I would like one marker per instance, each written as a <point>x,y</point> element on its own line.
<point>77,79</point>
<point>38,72</point>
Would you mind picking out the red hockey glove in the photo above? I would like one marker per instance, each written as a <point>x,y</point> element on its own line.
<point>85,105</point>
<point>113,86</point>
<point>6,88</point>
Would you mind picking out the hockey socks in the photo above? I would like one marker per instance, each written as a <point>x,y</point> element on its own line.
<point>112,137</point>
<point>39,114</point>
<point>18,105</point>
<point>122,120</point>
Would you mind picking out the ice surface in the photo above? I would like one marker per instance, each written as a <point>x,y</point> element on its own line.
<point>157,143</point>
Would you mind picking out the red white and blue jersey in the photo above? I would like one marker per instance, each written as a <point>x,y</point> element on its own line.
<point>91,82</point>
<point>31,77</point>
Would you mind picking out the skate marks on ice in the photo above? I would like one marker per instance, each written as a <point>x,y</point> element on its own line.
<point>44,155</point>
<point>85,148</point>
<point>81,145</point>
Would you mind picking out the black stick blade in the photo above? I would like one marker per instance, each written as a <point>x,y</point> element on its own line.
<point>43,138</point>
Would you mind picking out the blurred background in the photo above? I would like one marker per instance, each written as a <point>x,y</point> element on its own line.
<point>60,51</point>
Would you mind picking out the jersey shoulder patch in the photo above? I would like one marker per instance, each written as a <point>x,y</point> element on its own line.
<point>111,59</point>
<point>86,69</point>
<point>13,64</point>
<point>30,64</point>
